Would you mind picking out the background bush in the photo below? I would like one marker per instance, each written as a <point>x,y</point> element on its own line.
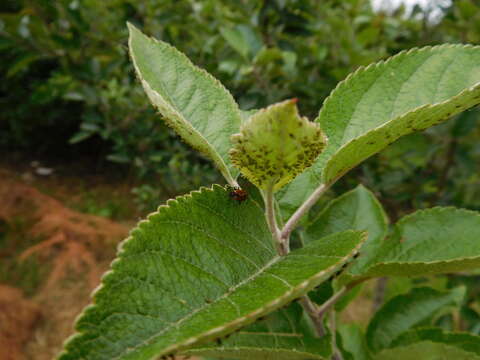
<point>68,87</point>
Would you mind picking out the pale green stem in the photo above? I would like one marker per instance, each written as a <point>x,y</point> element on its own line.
<point>230,180</point>
<point>310,307</point>
<point>302,210</point>
<point>282,246</point>
<point>282,239</point>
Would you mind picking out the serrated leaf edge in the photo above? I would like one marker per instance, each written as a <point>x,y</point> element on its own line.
<point>308,355</point>
<point>344,84</point>
<point>236,138</point>
<point>213,153</point>
<point>289,295</point>
<point>422,212</point>
<point>362,69</point>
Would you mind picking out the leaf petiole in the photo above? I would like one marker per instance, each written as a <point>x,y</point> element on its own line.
<point>282,246</point>
<point>302,210</point>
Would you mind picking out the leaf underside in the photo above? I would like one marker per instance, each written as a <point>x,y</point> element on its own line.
<point>193,102</point>
<point>201,267</point>
<point>376,105</point>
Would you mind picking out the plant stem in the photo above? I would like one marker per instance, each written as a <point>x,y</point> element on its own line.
<point>311,309</point>
<point>282,246</point>
<point>317,313</point>
<point>302,210</point>
<point>230,180</point>
<point>284,239</point>
<point>337,355</point>
<point>330,302</point>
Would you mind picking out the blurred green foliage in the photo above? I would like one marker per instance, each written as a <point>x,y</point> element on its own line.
<point>68,79</point>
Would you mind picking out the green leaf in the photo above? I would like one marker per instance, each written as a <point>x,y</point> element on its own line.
<point>235,40</point>
<point>436,343</point>
<point>380,103</point>
<point>426,350</point>
<point>243,39</point>
<point>357,209</point>
<point>405,311</point>
<point>275,145</point>
<point>465,341</point>
<point>192,101</point>
<point>201,267</point>
<point>354,342</point>
<point>281,335</point>
<point>432,241</point>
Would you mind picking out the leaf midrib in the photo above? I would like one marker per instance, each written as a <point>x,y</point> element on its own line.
<point>185,318</point>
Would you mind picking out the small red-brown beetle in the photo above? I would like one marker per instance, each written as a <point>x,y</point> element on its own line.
<point>238,194</point>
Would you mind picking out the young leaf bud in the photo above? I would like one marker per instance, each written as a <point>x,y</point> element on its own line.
<point>275,145</point>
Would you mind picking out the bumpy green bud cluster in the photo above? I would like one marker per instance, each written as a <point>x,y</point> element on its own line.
<point>276,144</point>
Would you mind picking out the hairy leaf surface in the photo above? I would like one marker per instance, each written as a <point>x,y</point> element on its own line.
<point>403,312</point>
<point>276,144</point>
<point>201,267</point>
<point>380,103</point>
<point>193,102</point>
